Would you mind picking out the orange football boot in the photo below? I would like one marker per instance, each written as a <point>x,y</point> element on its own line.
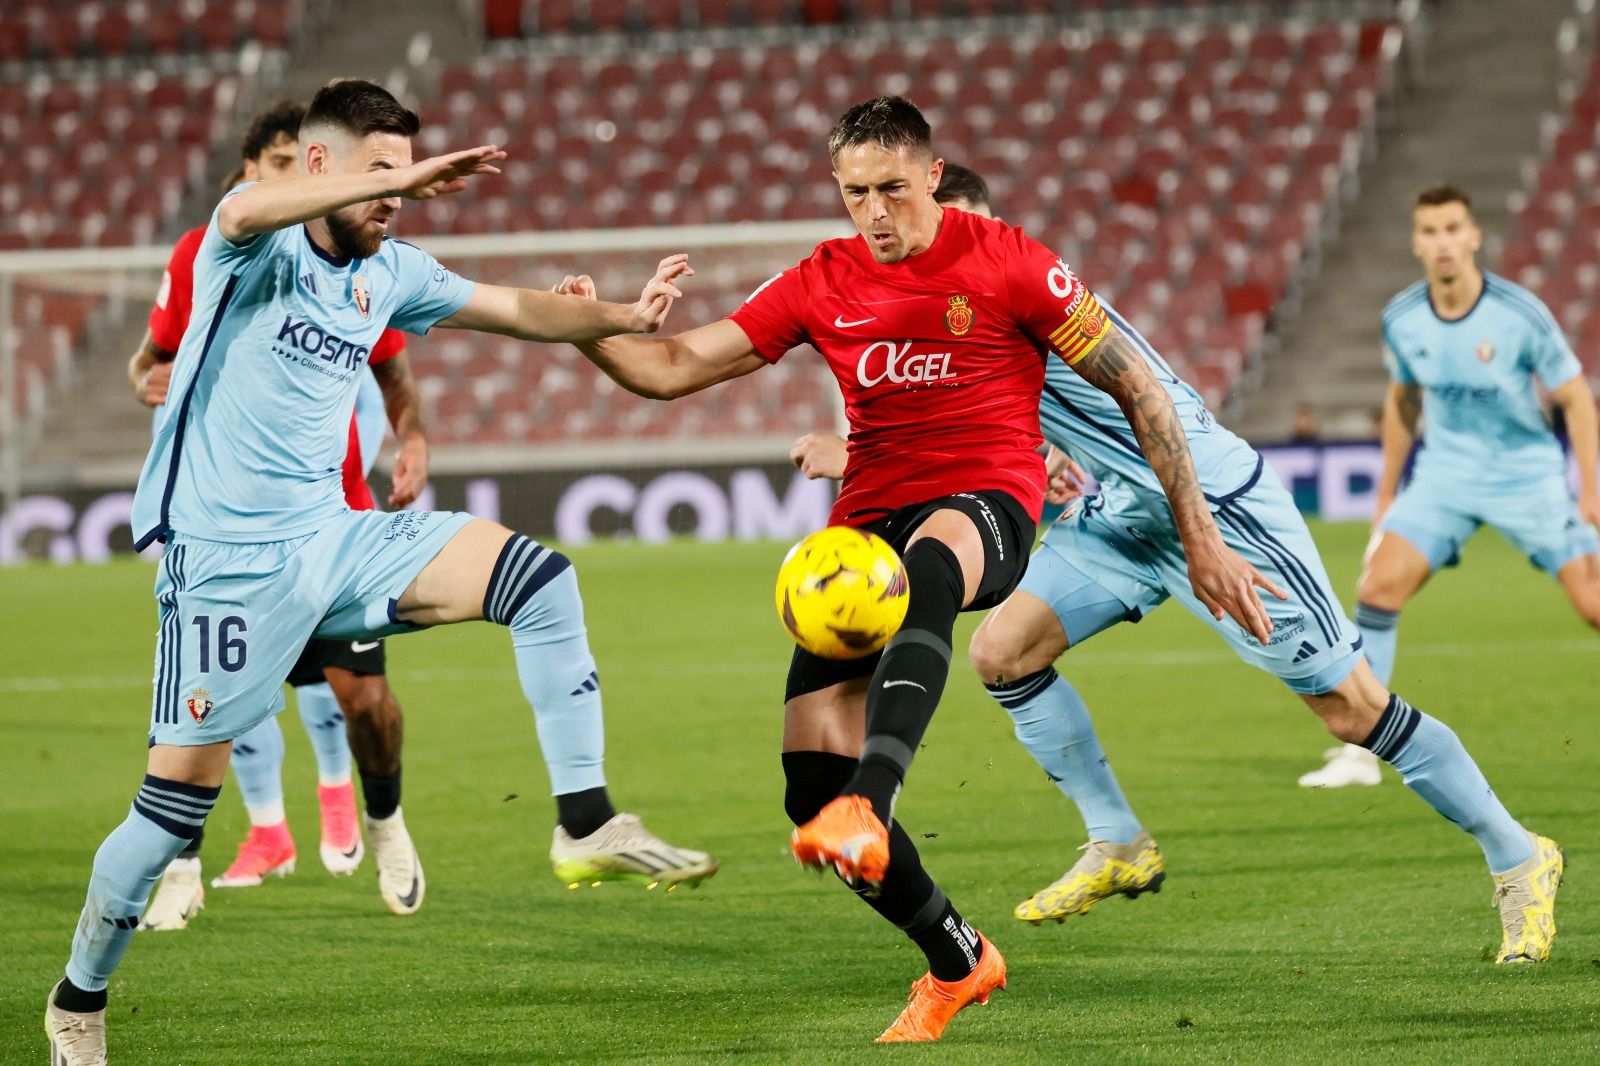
<point>934,1002</point>
<point>847,834</point>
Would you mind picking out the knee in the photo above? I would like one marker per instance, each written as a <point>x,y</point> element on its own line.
<point>1352,720</point>
<point>1381,589</point>
<point>531,586</point>
<point>362,697</point>
<point>995,658</point>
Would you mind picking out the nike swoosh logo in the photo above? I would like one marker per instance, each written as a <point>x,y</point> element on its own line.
<point>892,684</point>
<point>353,849</point>
<point>358,647</point>
<point>842,324</point>
<point>410,898</point>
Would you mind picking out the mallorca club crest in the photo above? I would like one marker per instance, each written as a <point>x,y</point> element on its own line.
<point>958,320</point>
<point>1485,351</point>
<point>199,706</point>
<point>363,295</point>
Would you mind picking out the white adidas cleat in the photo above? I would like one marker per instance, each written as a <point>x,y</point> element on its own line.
<point>624,850</point>
<point>75,1039</point>
<point>400,879</point>
<point>180,896</point>
<point>1350,764</point>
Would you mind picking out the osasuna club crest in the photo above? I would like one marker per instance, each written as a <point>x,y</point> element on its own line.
<point>1485,351</point>
<point>363,295</point>
<point>959,318</point>
<point>199,706</point>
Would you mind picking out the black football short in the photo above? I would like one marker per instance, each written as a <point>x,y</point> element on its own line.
<point>357,656</point>
<point>1008,535</point>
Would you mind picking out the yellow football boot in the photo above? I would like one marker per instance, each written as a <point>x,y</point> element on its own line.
<point>1104,870</point>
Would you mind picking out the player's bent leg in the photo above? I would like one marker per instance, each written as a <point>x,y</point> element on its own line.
<point>1014,650</point>
<point>1580,578</point>
<point>944,562</point>
<point>486,571</point>
<point>180,787</point>
<point>1394,570</point>
<point>1435,765</point>
<point>821,728</point>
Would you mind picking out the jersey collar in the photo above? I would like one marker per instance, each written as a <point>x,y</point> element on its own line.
<point>322,253</point>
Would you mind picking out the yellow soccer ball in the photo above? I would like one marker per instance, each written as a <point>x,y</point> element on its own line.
<point>842,593</point>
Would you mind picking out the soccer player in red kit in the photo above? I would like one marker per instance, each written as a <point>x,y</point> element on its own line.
<point>354,671</point>
<point>936,324</point>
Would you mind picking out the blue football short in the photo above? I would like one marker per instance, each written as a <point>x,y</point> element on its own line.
<point>235,617</point>
<point>1437,515</point>
<point>1107,559</point>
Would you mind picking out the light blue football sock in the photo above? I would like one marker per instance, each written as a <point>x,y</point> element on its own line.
<point>1052,722</point>
<point>164,817</point>
<point>1378,638</point>
<point>1434,764</point>
<point>324,722</point>
<point>534,591</point>
<point>257,761</point>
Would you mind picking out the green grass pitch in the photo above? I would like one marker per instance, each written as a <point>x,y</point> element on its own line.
<point>1295,926</point>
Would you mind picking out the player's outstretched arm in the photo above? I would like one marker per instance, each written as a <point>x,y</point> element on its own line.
<point>273,205</point>
<point>403,403</point>
<point>1221,579</point>
<point>1402,407</point>
<point>669,367</point>
<point>1576,400</point>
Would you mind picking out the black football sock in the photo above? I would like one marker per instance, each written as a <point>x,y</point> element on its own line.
<point>191,850</point>
<point>908,897</point>
<point>581,813</point>
<point>911,675</point>
<point>70,997</point>
<point>381,793</point>
<point>953,949</point>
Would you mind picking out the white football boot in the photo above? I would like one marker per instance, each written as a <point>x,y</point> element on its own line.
<point>75,1039</point>
<point>1349,764</point>
<point>179,897</point>
<point>400,879</point>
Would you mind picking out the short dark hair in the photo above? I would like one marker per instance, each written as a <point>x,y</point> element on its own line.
<point>890,122</point>
<point>359,108</point>
<point>960,183</point>
<point>282,119</point>
<point>1441,194</point>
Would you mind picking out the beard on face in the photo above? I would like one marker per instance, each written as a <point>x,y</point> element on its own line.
<point>349,241</point>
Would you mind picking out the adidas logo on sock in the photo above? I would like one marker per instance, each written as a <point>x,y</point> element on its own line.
<point>590,684</point>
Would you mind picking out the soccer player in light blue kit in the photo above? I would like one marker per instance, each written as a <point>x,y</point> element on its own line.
<point>294,282</point>
<point>1471,349</point>
<point>1115,556</point>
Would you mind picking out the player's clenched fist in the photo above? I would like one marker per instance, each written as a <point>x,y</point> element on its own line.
<point>152,390</point>
<point>819,455</point>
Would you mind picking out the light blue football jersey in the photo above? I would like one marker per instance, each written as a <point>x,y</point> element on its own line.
<point>1481,415</point>
<point>250,447</point>
<point>1088,425</point>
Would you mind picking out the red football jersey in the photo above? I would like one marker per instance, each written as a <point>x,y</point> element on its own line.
<point>940,357</point>
<point>170,317</point>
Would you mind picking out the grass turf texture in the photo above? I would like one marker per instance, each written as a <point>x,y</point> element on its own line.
<point>1294,926</point>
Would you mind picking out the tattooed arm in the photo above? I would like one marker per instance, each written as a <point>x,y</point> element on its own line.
<point>1222,580</point>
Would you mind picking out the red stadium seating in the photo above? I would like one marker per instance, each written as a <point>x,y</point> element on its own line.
<point>1184,173</point>
<point>1553,249</point>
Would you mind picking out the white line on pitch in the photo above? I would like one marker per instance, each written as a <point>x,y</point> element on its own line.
<point>1089,658</point>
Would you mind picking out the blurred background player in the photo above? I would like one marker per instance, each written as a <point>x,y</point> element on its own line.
<point>943,465</point>
<point>1470,351</point>
<point>339,685</point>
<point>1115,557</point>
<point>262,551</point>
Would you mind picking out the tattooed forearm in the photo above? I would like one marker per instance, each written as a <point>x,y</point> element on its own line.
<point>1116,368</point>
